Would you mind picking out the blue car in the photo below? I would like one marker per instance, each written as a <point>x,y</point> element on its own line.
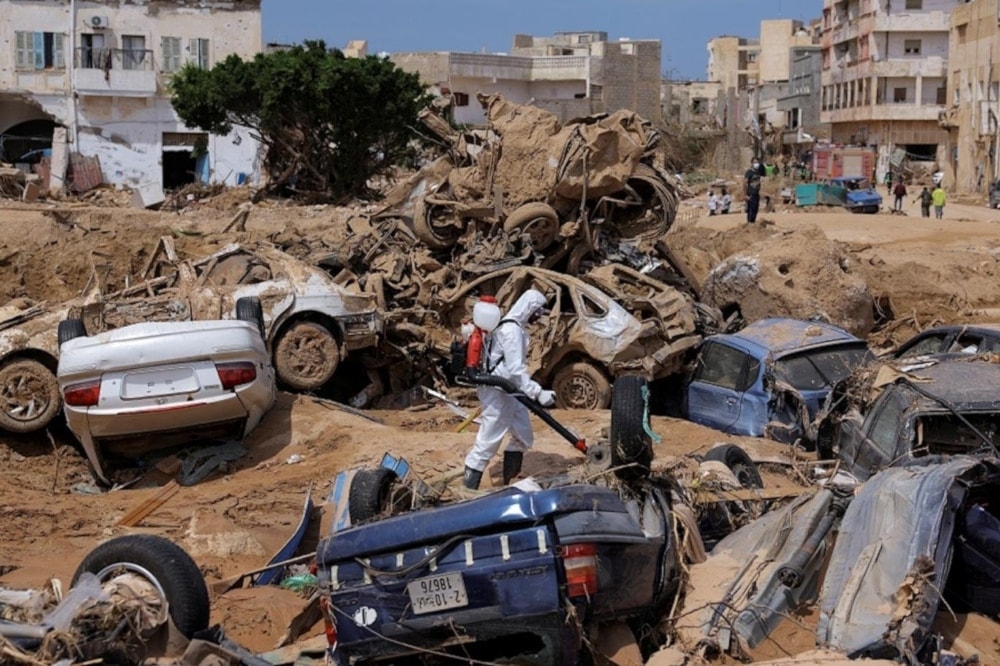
<point>771,378</point>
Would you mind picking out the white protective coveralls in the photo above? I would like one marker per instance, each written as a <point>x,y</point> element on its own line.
<point>506,353</point>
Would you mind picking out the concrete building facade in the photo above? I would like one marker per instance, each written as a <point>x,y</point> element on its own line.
<point>885,68</point>
<point>800,103</point>
<point>732,61</point>
<point>95,75</point>
<point>570,74</point>
<point>694,103</point>
<point>973,114</point>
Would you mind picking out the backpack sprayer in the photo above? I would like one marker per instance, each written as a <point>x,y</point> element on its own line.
<point>467,364</point>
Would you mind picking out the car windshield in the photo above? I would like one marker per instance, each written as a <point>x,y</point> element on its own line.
<point>820,368</point>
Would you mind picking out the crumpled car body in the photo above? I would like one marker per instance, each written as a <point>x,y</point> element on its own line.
<point>588,337</point>
<point>946,406</point>
<point>512,576</point>
<point>311,322</point>
<point>772,378</point>
<point>141,387</point>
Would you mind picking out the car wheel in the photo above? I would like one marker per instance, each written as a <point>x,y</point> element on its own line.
<point>29,396</point>
<point>630,434</point>
<point>539,220</point>
<point>370,494</point>
<point>580,385</point>
<point>434,237</point>
<point>249,309</point>
<point>737,460</point>
<point>159,564</point>
<point>306,356</point>
<point>70,329</point>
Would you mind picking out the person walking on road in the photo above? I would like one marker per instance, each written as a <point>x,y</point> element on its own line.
<point>938,198</point>
<point>725,202</point>
<point>899,191</point>
<point>505,355</point>
<point>926,200</point>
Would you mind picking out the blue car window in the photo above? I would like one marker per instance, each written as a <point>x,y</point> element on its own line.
<point>722,366</point>
<point>821,368</point>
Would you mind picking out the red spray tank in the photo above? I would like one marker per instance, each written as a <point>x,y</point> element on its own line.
<point>485,317</point>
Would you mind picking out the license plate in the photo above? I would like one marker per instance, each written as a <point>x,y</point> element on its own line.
<point>437,593</point>
<point>169,381</point>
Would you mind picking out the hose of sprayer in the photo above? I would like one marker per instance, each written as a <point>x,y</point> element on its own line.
<point>508,386</point>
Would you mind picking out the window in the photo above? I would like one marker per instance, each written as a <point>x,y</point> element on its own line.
<point>199,53</point>
<point>911,46</point>
<point>914,4</point>
<point>39,50</point>
<point>722,366</point>
<point>591,308</point>
<point>818,369</point>
<point>170,54</point>
<point>461,99</point>
<point>134,52</point>
<point>886,424</point>
<point>899,94</point>
<point>941,96</point>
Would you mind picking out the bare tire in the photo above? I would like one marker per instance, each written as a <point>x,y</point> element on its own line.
<point>29,396</point>
<point>539,220</point>
<point>70,329</point>
<point>739,463</point>
<point>249,309</point>
<point>370,494</point>
<point>306,356</point>
<point>434,237</point>
<point>630,434</point>
<point>161,564</point>
<point>580,385</point>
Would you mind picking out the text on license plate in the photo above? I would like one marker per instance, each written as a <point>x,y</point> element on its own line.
<point>166,381</point>
<point>437,593</point>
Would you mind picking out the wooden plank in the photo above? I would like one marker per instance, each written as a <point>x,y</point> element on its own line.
<point>151,504</point>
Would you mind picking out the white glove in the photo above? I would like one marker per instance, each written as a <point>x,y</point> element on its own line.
<point>547,398</point>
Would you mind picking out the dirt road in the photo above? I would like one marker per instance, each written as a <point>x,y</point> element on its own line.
<point>234,521</point>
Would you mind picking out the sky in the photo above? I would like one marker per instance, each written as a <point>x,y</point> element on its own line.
<point>682,26</point>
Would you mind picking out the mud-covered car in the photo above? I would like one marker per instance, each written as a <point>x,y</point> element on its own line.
<point>949,406</point>
<point>959,338</point>
<point>772,378</point>
<point>589,336</point>
<point>144,386</point>
<point>310,322</point>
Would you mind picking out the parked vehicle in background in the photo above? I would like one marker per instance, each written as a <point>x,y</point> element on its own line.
<point>589,338</point>
<point>967,339</point>
<point>147,386</point>
<point>948,406</point>
<point>772,378</point>
<point>310,322</point>
<point>856,194</point>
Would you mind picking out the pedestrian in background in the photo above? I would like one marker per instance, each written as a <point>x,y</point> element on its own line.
<point>725,202</point>
<point>899,192</point>
<point>938,198</point>
<point>926,200</point>
<point>713,203</point>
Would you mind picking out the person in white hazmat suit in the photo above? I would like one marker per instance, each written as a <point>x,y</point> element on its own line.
<point>505,355</point>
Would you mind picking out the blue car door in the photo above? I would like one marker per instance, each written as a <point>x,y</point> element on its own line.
<point>716,393</point>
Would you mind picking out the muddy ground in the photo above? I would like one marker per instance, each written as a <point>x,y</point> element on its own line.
<point>925,271</point>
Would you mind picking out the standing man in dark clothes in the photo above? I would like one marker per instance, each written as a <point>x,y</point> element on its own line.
<point>752,190</point>
<point>899,191</point>
<point>926,199</point>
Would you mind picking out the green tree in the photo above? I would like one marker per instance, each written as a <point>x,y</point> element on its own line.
<point>329,122</point>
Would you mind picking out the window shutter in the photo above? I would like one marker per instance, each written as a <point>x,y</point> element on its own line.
<point>58,52</point>
<point>39,44</point>
<point>21,49</point>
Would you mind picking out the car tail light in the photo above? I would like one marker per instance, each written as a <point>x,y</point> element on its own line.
<point>234,374</point>
<point>580,561</point>
<point>84,394</point>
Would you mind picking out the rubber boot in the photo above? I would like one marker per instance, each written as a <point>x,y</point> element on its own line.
<point>471,478</point>
<point>511,465</point>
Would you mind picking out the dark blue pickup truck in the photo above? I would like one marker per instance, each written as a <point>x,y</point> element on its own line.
<point>513,575</point>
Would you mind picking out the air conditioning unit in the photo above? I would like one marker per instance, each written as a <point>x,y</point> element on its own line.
<point>99,22</point>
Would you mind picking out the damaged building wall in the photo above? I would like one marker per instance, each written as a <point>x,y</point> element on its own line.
<point>104,74</point>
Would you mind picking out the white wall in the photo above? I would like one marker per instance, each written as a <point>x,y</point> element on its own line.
<point>932,44</point>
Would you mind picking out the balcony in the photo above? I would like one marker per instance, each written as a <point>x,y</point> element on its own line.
<point>115,72</point>
<point>935,67</point>
<point>895,112</point>
<point>937,21</point>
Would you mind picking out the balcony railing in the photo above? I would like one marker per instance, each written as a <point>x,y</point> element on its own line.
<point>106,59</point>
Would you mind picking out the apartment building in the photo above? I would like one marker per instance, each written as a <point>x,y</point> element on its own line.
<point>972,118</point>
<point>571,74</point>
<point>732,61</point>
<point>885,66</point>
<point>800,102</point>
<point>693,103</point>
<point>91,78</point>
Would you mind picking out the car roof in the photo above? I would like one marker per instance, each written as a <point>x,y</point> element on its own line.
<point>781,336</point>
<point>956,328</point>
<point>967,382</point>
